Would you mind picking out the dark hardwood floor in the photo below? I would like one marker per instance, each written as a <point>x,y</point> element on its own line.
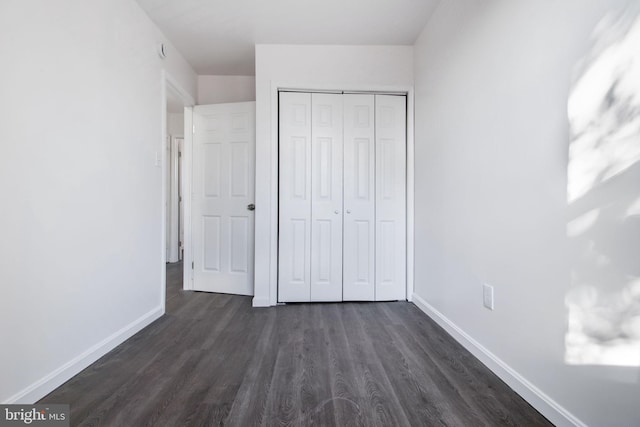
<point>174,281</point>
<point>214,360</point>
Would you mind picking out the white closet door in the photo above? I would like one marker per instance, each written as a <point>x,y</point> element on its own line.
<point>359,198</point>
<point>294,244</point>
<point>390,197</point>
<point>326,196</point>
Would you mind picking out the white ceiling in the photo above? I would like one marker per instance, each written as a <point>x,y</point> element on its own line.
<point>218,36</point>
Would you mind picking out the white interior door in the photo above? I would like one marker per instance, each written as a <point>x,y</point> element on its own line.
<point>326,197</point>
<point>391,229</point>
<point>223,190</point>
<point>294,218</point>
<point>359,198</point>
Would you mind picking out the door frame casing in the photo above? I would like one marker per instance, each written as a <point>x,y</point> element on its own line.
<point>272,255</point>
<point>187,185</point>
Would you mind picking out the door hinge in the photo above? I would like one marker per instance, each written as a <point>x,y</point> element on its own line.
<point>194,129</point>
<point>192,265</point>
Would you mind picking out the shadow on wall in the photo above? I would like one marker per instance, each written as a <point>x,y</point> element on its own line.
<point>604,199</point>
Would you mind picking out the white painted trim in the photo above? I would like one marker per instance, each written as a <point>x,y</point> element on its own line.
<point>260,302</point>
<point>55,379</point>
<point>187,199</point>
<point>273,229</point>
<point>163,179</point>
<point>273,148</point>
<point>177,89</point>
<point>410,194</point>
<point>529,392</point>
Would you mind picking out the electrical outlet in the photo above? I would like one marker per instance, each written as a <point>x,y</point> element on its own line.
<point>487,296</point>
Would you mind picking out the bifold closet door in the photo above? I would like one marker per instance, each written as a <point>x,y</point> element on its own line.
<point>294,217</point>
<point>390,206</point>
<point>310,198</point>
<point>326,197</point>
<point>342,197</point>
<point>359,198</point>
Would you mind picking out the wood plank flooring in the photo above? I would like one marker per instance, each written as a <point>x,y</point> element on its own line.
<point>215,360</point>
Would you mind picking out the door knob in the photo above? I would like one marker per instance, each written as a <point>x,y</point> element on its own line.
<point>348,211</point>
<point>336,212</point>
<point>251,207</point>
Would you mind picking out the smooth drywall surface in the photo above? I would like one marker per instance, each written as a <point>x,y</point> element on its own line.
<point>175,124</point>
<point>223,89</point>
<point>81,222</point>
<point>307,67</point>
<point>512,193</point>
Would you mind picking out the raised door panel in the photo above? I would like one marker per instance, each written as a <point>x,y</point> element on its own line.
<point>390,198</point>
<point>294,218</point>
<point>211,243</point>
<point>240,164</point>
<point>239,254</point>
<point>359,198</point>
<point>326,195</point>
<point>212,170</point>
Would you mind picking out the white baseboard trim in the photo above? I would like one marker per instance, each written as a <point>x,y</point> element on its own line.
<point>536,397</point>
<point>260,302</point>
<point>55,379</point>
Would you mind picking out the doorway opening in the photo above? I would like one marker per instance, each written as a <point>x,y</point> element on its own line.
<point>174,224</point>
<point>174,154</point>
<point>174,104</point>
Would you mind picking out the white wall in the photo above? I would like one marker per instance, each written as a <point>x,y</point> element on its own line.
<point>175,124</point>
<point>307,67</point>
<point>222,89</point>
<point>493,149</point>
<point>81,223</point>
